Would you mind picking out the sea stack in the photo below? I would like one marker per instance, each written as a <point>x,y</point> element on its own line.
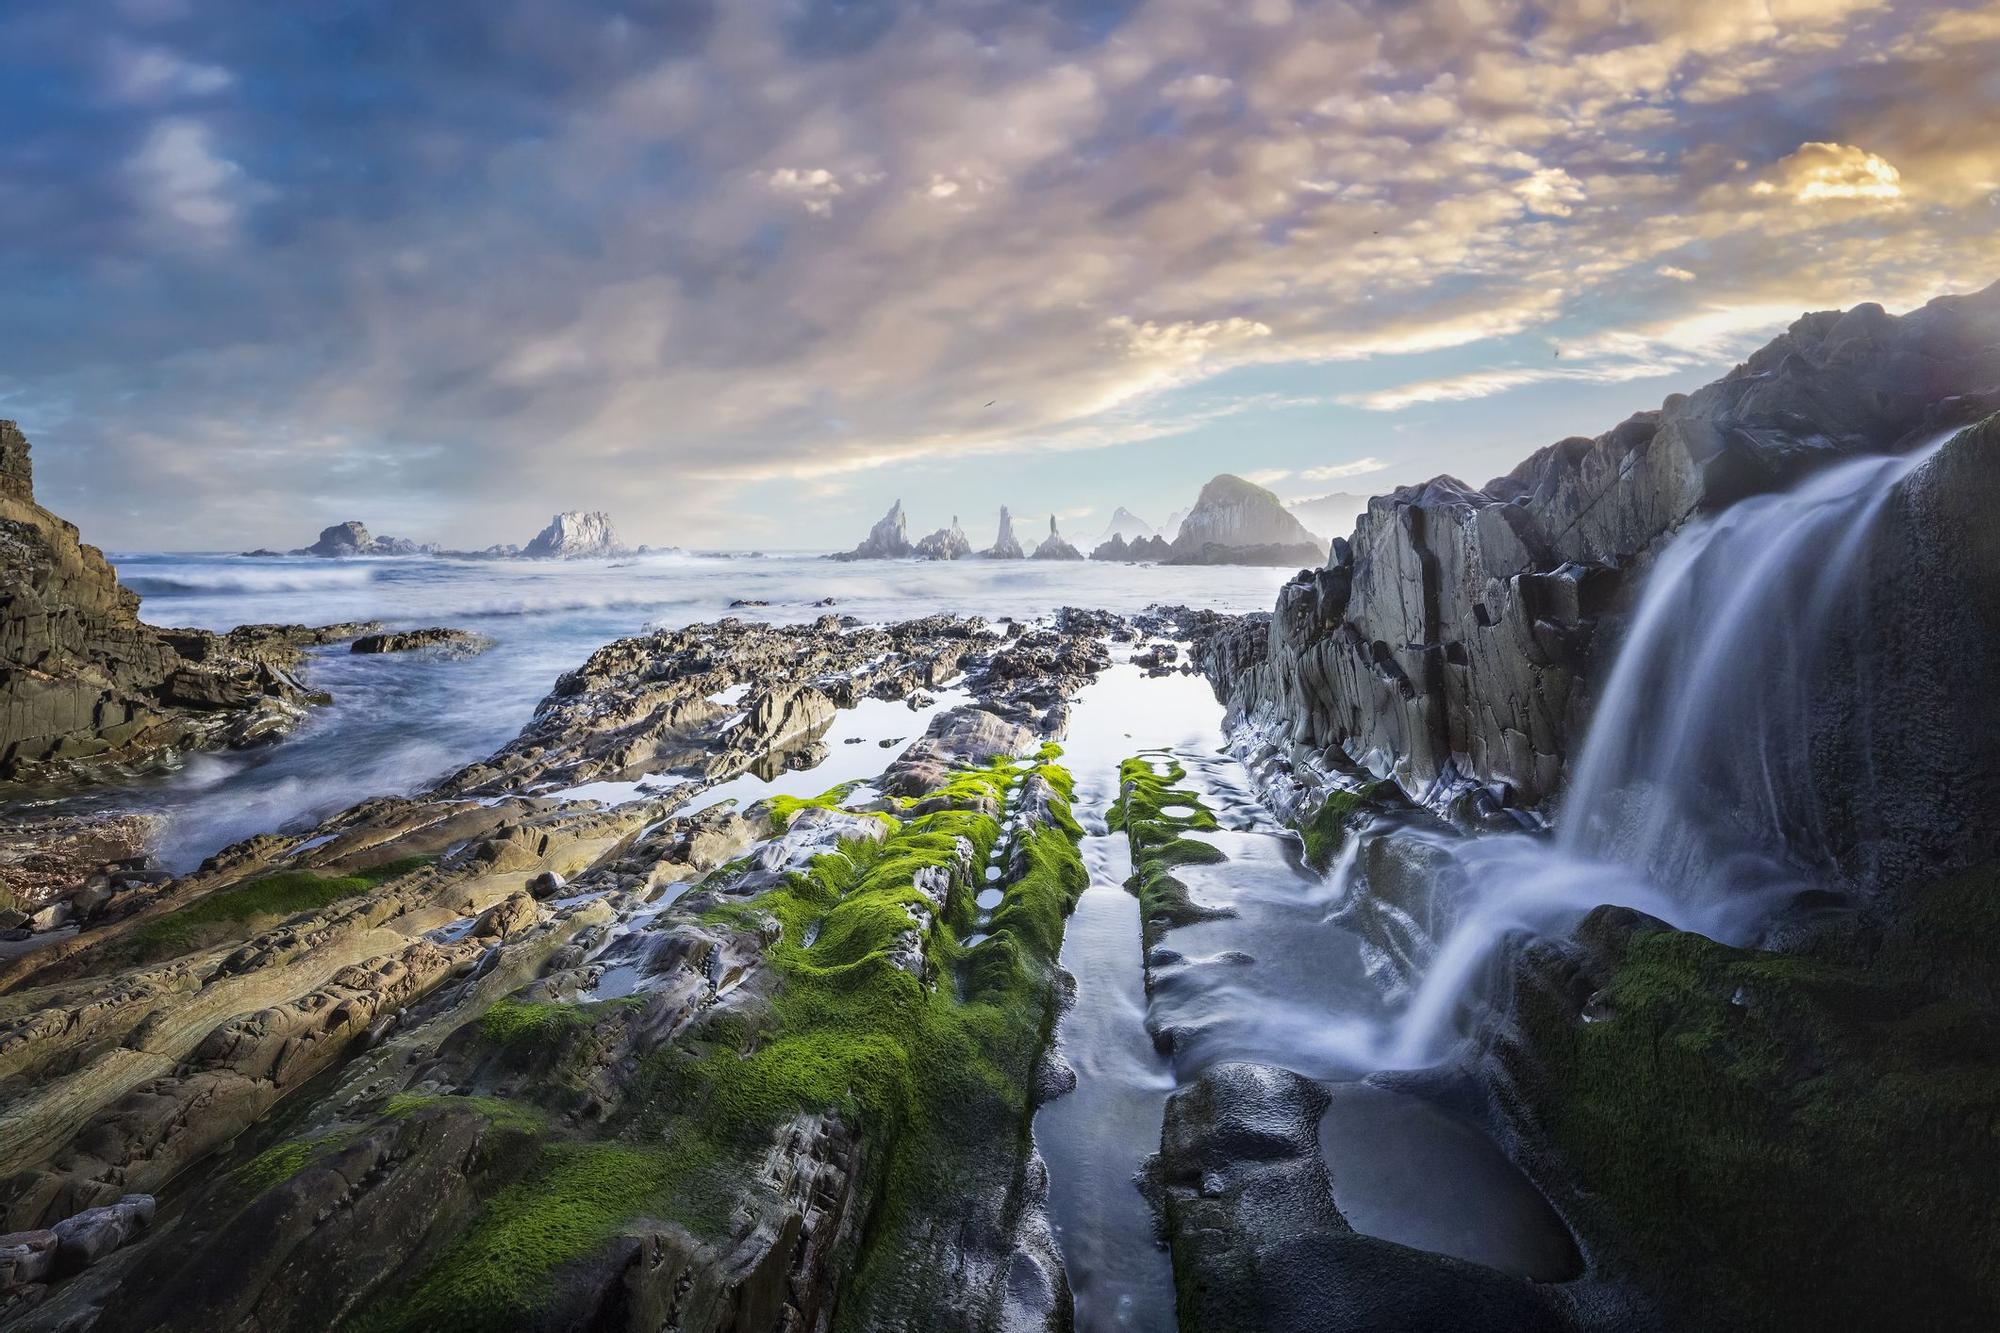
<point>1236,522</point>
<point>1053,547</point>
<point>573,535</point>
<point>889,539</point>
<point>1006,546</point>
<point>946,543</point>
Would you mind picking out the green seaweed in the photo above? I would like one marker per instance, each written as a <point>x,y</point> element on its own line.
<point>1158,843</point>
<point>1782,1134</point>
<point>934,1071</point>
<point>1325,830</point>
<point>229,913</point>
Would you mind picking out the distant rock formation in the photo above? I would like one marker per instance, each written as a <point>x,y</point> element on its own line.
<point>1172,527</point>
<point>1005,546</point>
<point>84,682</point>
<point>574,534</point>
<point>1236,522</point>
<point>889,539</point>
<point>1126,524</point>
<point>1329,516</point>
<point>351,539</point>
<point>1053,547</point>
<point>1145,548</point>
<point>946,543</point>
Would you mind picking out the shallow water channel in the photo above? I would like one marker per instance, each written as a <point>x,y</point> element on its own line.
<point>1280,981</point>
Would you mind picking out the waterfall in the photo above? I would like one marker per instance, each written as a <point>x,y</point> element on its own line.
<point>1692,798</point>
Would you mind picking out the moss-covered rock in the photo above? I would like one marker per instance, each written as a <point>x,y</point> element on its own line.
<point>1760,1140</point>
<point>1146,793</point>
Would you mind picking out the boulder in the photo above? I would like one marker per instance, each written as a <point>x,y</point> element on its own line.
<point>441,641</point>
<point>87,1237</point>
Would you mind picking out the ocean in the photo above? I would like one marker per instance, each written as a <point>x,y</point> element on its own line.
<point>399,722</point>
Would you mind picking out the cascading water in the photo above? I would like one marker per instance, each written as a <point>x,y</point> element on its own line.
<point>1693,798</point>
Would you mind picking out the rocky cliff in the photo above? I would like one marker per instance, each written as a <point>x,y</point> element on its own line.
<point>84,683</point>
<point>573,535</point>
<point>1450,635</point>
<point>1237,522</point>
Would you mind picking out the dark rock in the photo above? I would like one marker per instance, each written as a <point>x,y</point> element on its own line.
<point>439,640</point>
<point>85,686</point>
<point>1451,633</point>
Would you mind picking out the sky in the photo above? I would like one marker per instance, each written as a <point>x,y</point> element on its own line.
<point>742,273</point>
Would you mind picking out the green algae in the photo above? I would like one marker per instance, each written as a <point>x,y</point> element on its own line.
<point>933,1069</point>
<point>230,913</point>
<point>576,1199</point>
<point>1159,844</point>
<point>1804,1141</point>
<point>1326,828</point>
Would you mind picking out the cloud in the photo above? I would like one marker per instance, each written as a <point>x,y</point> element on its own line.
<point>1823,172</point>
<point>1267,476</point>
<point>1360,467</point>
<point>183,182</point>
<point>665,258</point>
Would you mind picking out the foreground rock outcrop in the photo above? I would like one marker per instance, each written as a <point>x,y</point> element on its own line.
<point>1451,635</point>
<point>84,684</point>
<point>470,1063</point>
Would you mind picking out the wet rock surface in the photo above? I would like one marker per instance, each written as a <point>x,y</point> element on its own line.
<point>438,640</point>
<point>1452,635</point>
<point>357,1058</point>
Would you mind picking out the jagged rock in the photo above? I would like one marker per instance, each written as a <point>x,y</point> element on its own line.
<point>574,535</point>
<point>351,538</point>
<point>1005,546</point>
<point>1114,549</point>
<point>1054,547</point>
<point>946,543</point>
<point>84,684</point>
<point>1450,633</point>
<point>888,540</point>
<point>442,641</point>
<point>1237,522</point>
